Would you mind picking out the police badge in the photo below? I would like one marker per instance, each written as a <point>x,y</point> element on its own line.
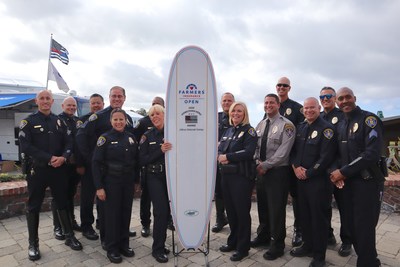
<point>355,127</point>
<point>131,141</point>
<point>314,134</point>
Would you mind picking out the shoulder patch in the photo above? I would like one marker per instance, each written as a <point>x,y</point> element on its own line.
<point>101,141</point>
<point>288,130</point>
<point>93,117</point>
<point>328,133</point>
<point>22,124</point>
<point>143,139</point>
<point>79,124</point>
<point>371,121</point>
<point>252,132</point>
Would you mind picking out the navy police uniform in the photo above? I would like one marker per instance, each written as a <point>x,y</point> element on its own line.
<point>334,117</point>
<point>223,125</point>
<point>293,111</point>
<point>314,150</point>
<point>153,160</point>
<point>144,124</point>
<point>360,137</point>
<point>115,161</point>
<point>73,176</point>
<point>88,191</point>
<point>97,124</point>
<point>238,143</point>
<point>41,137</point>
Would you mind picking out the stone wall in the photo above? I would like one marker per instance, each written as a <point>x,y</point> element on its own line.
<point>14,196</point>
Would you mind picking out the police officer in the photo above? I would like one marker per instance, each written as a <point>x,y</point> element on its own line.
<point>276,136</point>
<point>235,159</point>
<point>313,153</point>
<point>45,146</point>
<point>88,191</point>
<point>333,115</point>
<point>97,124</point>
<point>68,116</point>
<point>145,124</point>
<point>152,151</point>
<point>115,161</point>
<point>360,138</point>
<point>227,100</point>
<point>291,110</point>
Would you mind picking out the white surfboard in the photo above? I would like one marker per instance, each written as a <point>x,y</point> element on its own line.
<point>191,126</point>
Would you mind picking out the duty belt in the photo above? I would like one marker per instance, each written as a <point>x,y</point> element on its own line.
<point>155,168</point>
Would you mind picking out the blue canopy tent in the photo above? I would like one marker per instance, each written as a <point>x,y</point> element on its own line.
<point>11,100</point>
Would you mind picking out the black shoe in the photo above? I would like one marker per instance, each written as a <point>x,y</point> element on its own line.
<point>258,242</point>
<point>114,257</point>
<point>73,243</point>
<point>166,251</point>
<point>297,239</point>
<point>127,252</point>
<point>145,231</point>
<point>33,252</point>
<point>344,250</point>
<point>218,226</point>
<point>317,263</point>
<point>90,234</point>
<point>58,233</point>
<point>301,252</point>
<point>132,233</point>
<point>331,240</point>
<point>272,255</point>
<point>76,226</point>
<point>160,257</point>
<point>226,248</point>
<point>237,256</point>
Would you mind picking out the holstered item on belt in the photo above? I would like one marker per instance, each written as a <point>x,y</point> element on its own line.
<point>228,168</point>
<point>155,168</point>
<point>374,171</point>
<point>248,169</point>
<point>383,166</point>
<point>26,163</point>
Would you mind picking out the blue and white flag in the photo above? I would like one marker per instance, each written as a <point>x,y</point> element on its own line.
<point>54,75</point>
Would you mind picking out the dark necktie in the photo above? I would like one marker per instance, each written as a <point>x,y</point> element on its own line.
<point>263,148</point>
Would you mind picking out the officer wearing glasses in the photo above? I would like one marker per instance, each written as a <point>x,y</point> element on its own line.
<point>293,111</point>
<point>334,115</point>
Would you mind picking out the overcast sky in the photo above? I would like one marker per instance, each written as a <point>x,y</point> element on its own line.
<point>251,44</point>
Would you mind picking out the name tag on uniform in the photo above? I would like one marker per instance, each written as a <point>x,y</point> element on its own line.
<point>114,142</point>
<point>37,126</point>
<point>152,143</point>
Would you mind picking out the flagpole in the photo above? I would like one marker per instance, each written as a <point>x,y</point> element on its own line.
<point>48,63</point>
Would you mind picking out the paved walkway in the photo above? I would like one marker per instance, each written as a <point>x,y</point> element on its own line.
<point>14,243</point>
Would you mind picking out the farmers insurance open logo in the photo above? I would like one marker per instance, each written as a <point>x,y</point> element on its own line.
<point>191,91</point>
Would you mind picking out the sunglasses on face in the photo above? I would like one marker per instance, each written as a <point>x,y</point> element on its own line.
<point>282,85</point>
<point>327,96</point>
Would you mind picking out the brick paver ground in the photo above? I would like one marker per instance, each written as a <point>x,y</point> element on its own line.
<point>14,243</point>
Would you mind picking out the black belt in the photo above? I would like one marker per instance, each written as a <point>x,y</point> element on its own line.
<point>155,168</point>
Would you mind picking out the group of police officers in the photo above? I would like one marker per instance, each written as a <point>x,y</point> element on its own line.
<point>300,150</point>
